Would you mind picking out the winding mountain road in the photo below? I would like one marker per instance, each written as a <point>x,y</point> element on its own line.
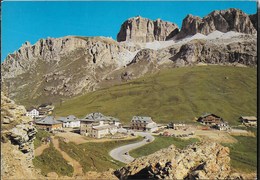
<point>122,153</point>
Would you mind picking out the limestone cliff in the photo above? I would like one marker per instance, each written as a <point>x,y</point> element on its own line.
<point>139,29</point>
<point>223,20</point>
<point>55,68</point>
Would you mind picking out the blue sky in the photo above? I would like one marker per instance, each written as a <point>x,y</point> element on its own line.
<point>31,21</point>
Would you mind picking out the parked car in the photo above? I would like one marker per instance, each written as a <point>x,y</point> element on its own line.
<point>148,140</point>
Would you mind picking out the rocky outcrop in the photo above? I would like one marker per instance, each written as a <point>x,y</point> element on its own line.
<point>17,136</point>
<point>139,29</point>
<point>223,21</point>
<point>227,52</point>
<point>203,160</point>
<point>145,55</point>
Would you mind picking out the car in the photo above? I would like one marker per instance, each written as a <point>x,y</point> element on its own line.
<point>126,153</point>
<point>148,140</point>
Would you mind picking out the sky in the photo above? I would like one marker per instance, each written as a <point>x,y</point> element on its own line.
<point>31,21</point>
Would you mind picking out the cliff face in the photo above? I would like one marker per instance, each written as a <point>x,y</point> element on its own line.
<point>17,149</point>
<point>223,21</point>
<point>55,68</point>
<point>140,29</point>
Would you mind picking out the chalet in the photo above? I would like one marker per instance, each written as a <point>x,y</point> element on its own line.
<point>248,120</point>
<point>69,121</point>
<point>48,123</point>
<point>34,113</point>
<point>143,123</point>
<point>210,119</point>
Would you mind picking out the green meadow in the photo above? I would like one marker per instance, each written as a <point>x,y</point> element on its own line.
<point>177,94</point>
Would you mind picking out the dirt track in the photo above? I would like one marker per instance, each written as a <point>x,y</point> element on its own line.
<point>77,167</point>
<point>38,151</point>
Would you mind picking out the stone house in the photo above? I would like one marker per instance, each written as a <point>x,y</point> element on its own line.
<point>48,123</point>
<point>248,120</point>
<point>69,121</point>
<point>143,123</point>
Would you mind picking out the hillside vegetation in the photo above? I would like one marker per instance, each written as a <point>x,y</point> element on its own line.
<point>178,94</point>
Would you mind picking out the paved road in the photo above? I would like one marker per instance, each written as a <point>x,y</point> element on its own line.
<point>119,153</point>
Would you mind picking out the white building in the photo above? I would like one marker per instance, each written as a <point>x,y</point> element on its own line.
<point>102,130</point>
<point>152,127</point>
<point>69,121</point>
<point>33,113</point>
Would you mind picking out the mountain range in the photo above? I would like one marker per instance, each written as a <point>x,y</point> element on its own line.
<point>55,69</point>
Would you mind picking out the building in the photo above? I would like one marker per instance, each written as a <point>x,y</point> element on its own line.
<point>101,131</point>
<point>45,110</point>
<point>34,113</point>
<point>249,120</point>
<point>210,119</point>
<point>223,126</point>
<point>97,125</point>
<point>143,123</point>
<point>69,121</point>
<point>176,126</point>
<point>48,123</point>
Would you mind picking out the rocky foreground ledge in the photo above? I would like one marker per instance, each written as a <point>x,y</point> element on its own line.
<point>17,136</point>
<point>202,160</point>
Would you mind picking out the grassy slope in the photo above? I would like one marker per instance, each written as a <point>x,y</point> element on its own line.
<point>244,154</point>
<point>159,143</point>
<point>52,161</point>
<point>95,156</point>
<point>40,134</point>
<point>174,94</point>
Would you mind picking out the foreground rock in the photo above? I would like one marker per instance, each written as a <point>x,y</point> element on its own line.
<point>204,160</point>
<point>17,149</point>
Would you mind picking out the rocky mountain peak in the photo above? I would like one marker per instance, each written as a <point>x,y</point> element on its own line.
<point>139,29</point>
<point>221,20</point>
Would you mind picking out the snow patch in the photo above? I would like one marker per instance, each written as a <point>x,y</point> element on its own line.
<point>126,57</point>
